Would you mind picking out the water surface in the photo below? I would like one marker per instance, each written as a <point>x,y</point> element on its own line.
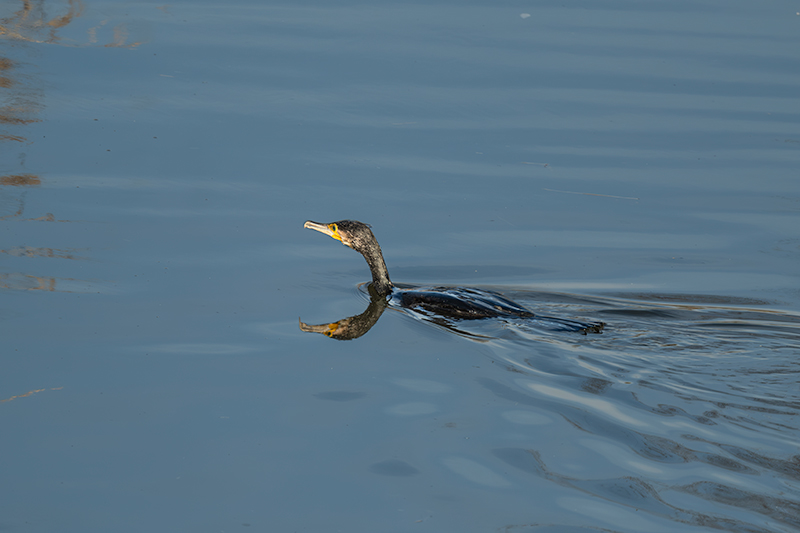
<point>624,162</point>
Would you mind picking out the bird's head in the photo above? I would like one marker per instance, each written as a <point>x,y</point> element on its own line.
<point>359,237</point>
<point>352,233</point>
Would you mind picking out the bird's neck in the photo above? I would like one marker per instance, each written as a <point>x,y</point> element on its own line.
<point>380,275</point>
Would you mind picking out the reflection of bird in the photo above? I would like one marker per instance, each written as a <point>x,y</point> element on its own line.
<point>455,303</point>
<point>355,326</point>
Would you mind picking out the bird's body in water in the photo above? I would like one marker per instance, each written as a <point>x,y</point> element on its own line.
<point>455,303</point>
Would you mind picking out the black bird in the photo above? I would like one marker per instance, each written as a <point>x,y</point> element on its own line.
<point>446,302</point>
<point>359,237</point>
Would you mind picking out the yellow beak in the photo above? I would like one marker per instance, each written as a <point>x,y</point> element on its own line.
<point>328,229</point>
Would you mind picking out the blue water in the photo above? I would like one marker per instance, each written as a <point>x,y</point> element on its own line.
<point>630,163</point>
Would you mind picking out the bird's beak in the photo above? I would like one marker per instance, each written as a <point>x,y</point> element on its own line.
<point>329,330</point>
<point>328,229</point>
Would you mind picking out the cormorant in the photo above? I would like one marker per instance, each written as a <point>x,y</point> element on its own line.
<point>454,303</point>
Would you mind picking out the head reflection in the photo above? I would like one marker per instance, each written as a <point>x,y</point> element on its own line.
<point>355,326</point>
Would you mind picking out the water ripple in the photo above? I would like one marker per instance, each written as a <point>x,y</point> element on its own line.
<point>692,400</point>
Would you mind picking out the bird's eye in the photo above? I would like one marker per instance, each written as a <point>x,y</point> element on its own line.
<point>335,231</point>
<point>332,329</point>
